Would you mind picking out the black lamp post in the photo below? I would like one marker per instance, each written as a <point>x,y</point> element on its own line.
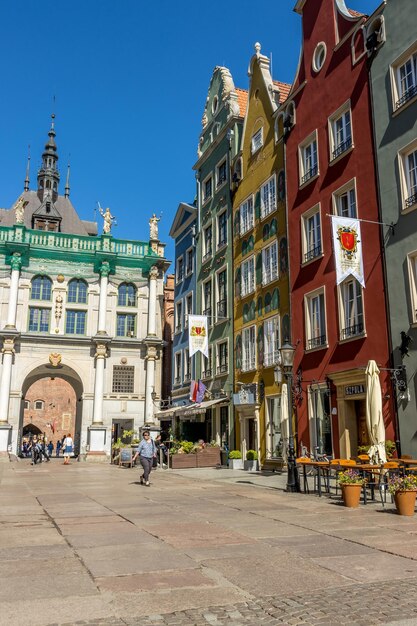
<point>287,361</point>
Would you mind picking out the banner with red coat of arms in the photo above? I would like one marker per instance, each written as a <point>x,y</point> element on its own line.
<point>347,247</point>
<point>198,334</point>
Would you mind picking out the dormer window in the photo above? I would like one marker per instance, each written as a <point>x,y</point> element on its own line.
<point>257,141</point>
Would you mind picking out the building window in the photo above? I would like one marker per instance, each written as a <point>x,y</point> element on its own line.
<point>412,273</point>
<point>207,189</point>
<point>126,295</point>
<point>308,159</point>
<point>311,235</point>
<point>257,141</point>
<point>75,322</point>
<point>352,317</point>
<point>271,341</point>
<point>178,317</point>
<point>277,445</point>
<point>207,361</point>
<point>248,276</point>
<point>207,300</point>
<point>207,243</point>
<point>270,263</point>
<point>344,201</point>
<point>268,197</point>
<point>315,313</point>
<point>222,363</point>
<point>222,295</point>
<point>39,320</point>
<point>123,379</point>
<point>246,215</point>
<point>26,404</point>
<point>77,291</point>
<point>221,174</point>
<point>180,269</point>
<point>187,366</point>
<point>41,288</point>
<point>408,166</point>
<point>177,368</point>
<point>249,348</point>
<point>320,422</point>
<point>189,261</point>
<point>188,308</point>
<point>340,132</point>
<point>404,74</point>
<point>319,56</point>
<point>39,404</point>
<point>222,229</point>
<point>126,325</point>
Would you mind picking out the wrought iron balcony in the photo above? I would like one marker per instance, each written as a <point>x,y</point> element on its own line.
<point>410,201</point>
<point>222,309</point>
<point>207,256</point>
<point>187,378</point>
<point>222,242</point>
<point>222,368</point>
<point>352,331</point>
<point>341,148</point>
<point>312,253</point>
<point>177,380</point>
<point>410,93</point>
<point>207,313</point>
<point>317,342</point>
<point>206,374</point>
<point>310,174</point>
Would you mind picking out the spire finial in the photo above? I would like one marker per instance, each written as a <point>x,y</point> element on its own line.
<point>27,181</point>
<point>67,184</point>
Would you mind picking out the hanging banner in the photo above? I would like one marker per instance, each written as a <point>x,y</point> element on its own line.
<point>198,334</point>
<point>347,246</point>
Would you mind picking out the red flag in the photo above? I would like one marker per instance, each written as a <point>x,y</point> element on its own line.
<point>193,390</point>
<point>53,427</point>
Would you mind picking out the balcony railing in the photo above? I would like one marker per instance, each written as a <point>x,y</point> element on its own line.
<point>342,147</point>
<point>177,380</point>
<point>207,374</point>
<point>207,313</point>
<point>187,378</point>
<point>222,368</point>
<point>410,93</point>
<point>352,331</point>
<point>222,309</point>
<point>312,253</point>
<point>222,242</point>
<point>410,201</point>
<point>317,342</point>
<point>207,256</point>
<point>310,174</point>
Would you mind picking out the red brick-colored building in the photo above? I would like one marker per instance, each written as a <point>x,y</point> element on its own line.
<point>330,171</point>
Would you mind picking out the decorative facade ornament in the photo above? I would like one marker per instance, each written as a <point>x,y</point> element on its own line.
<point>16,261</point>
<point>19,210</point>
<point>101,351</point>
<point>8,345</point>
<point>60,278</point>
<point>108,218</point>
<point>55,359</point>
<point>58,307</point>
<point>152,353</point>
<point>153,272</point>
<point>153,227</point>
<point>105,268</point>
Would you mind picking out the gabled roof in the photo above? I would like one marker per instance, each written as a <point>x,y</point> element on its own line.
<point>184,217</point>
<point>284,90</point>
<point>242,99</point>
<point>356,13</point>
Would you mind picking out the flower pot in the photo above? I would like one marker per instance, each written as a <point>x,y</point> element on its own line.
<point>405,502</point>
<point>351,495</point>
<point>251,466</point>
<point>183,461</point>
<point>209,457</point>
<point>236,464</point>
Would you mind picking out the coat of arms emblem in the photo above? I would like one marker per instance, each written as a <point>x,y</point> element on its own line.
<point>198,331</point>
<point>348,238</point>
<point>55,359</point>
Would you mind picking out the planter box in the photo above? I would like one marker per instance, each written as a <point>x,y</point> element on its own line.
<point>209,457</point>
<point>236,464</point>
<point>251,466</point>
<point>183,461</point>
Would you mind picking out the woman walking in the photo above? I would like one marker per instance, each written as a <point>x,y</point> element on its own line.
<point>146,451</point>
<point>67,447</point>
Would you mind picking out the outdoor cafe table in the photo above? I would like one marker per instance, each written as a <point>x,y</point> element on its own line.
<point>321,467</point>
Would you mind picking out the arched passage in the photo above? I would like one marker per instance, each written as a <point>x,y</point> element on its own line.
<point>60,408</point>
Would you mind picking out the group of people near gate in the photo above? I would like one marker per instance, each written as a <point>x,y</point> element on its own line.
<point>38,449</point>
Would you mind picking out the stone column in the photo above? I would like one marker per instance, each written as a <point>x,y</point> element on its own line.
<point>6,377</point>
<point>16,264</point>
<point>102,306</point>
<point>153,277</point>
<point>150,384</point>
<point>97,429</point>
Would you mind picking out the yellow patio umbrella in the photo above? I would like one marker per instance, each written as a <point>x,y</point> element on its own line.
<point>374,419</point>
<point>285,430</point>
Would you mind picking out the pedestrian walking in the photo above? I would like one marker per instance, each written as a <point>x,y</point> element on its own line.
<point>147,452</point>
<point>68,447</point>
<point>58,447</point>
<point>50,448</point>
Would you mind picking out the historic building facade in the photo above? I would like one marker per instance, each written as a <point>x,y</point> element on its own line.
<point>261,299</point>
<point>79,307</point>
<point>330,171</point>
<point>394,94</point>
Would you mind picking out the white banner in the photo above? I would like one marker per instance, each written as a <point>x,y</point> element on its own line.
<point>198,334</point>
<point>347,246</point>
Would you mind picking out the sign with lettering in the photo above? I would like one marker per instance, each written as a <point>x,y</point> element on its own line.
<point>354,390</point>
<point>126,456</point>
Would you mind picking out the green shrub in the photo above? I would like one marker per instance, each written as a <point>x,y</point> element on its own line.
<point>186,447</point>
<point>251,455</point>
<point>235,454</point>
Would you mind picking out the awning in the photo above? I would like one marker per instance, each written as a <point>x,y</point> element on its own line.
<point>167,414</point>
<point>198,409</point>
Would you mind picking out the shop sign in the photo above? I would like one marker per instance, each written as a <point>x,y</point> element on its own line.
<point>354,390</point>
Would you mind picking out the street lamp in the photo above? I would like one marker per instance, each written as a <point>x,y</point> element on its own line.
<point>287,360</point>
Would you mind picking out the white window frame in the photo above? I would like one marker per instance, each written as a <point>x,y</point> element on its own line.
<point>269,268</point>
<point>315,340</point>
<point>412,279</point>
<point>186,312</point>
<point>177,367</point>
<point>249,355</point>
<point>311,253</point>
<point>221,244</point>
<point>218,365</point>
<point>247,287</point>
<point>39,408</point>
<point>408,190</point>
<point>246,215</point>
<point>203,302</point>
<point>340,147</point>
<point>343,326</point>
<point>272,340</point>
<point>179,316</point>
<point>207,254</point>
<point>217,294</point>
<point>188,272</point>
<point>268,193</point>
<point>206,198</point>
<point>345,190</point>
<point>400,98</point>
<point>257,140</point>
<point>178,279</point>
<point>308,141</point>
<point>219,183</point>
<point>186,376</point>
<point>207,364</point>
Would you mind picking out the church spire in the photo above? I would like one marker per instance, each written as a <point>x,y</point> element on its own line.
<point>67,184</point>
<point>27,181</point>
<point>48,175</point>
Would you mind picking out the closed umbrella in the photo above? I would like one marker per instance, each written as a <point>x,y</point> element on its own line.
<point>284,422</point>
<point>374,419</point>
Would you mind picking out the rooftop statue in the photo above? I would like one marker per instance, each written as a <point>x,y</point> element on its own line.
<point>108,218</point>
<point>153,225</point>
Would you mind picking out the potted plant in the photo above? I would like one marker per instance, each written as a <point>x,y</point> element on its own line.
<point>251,463</point>
<point>235,460</point>
<point>404,490</point>
<point>351,483</point>
<point>182,455</point>
<point>208,455</point>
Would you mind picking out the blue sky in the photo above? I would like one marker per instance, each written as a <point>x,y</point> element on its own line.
<point>130,80</point>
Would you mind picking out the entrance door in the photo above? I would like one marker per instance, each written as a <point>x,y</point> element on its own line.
<point>363,436</point>
<point>251,435</point>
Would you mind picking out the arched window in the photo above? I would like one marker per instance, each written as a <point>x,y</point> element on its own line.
<point>48,184</point>
<point>127,295</point>
<point>77,291</point>
<point>41,288</point>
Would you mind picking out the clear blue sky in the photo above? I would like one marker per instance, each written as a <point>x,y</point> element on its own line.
<point>130,80</point>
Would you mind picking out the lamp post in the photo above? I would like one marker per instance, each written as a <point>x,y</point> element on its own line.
<point>287,360</point>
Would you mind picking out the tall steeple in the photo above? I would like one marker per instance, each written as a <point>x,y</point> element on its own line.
<point>67,184</point>
<point>27,181</point>
<point>48,175</point>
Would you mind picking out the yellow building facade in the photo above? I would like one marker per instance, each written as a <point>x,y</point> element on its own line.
<point>261,294</point>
